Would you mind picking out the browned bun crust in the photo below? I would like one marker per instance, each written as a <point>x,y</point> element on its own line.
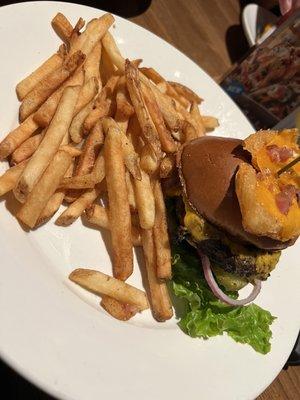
<point>207,168</point>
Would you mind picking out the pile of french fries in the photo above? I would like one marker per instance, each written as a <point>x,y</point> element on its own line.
<point>94,125</point>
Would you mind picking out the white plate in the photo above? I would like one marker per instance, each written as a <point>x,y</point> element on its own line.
<point>55,334</point>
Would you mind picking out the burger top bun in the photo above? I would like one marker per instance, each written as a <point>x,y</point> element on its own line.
<point>207,168</point>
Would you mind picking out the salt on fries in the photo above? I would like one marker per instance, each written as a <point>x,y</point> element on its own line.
<point>94,124</point>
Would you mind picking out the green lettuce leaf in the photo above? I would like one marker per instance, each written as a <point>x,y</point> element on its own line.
<point>204,316</point>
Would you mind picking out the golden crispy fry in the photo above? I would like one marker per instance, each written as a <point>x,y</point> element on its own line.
<point>73,151</point>
<point>62,27</point>
<point>186,92</point>
<point>159,298</point>
<point>161,236</point>
<point>152,74</point>
<point>75,33</point>
<point>87,94</point>
<point>131,158</point>
<point>51,207</point>
<point>75,210</point>
<point>76,128</point>
<point>98,215</point>
<point>130,191</point>
<point>103,104</point>
<point>167,166</point>
<point>26,149</point>
<point>44,189</point>
<point>92,63</point>
<point>162,86</point>
<point>148,128</point>
<point>87,181</point>
<point>48,85</point>
<point>10,177</point>
<point>53,138</point>
<point>170,91</point>
<point>189,132</point>
<point>209,122</point>
<point>16,137</point>
<point>28,83</point>
<point>107,68</point>
<point>118,310</point>
<point>103,284</point>
<point>144,201</point>
<point>124,108</point>
<point>195,112</point>
<point>119,211</point>
<point>167,142</point>
<point>93,33</point>
<point>45,113</point>
<point>149,162</point>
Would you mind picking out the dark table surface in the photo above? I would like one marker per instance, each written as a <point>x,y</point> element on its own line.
<point>210,33</point>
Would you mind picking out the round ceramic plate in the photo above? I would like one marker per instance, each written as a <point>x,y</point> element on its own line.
<point>54,333</point>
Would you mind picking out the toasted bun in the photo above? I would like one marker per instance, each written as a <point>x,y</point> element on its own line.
<point>207,168</point>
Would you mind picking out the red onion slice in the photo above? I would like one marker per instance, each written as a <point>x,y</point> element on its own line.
<point>219,293</point>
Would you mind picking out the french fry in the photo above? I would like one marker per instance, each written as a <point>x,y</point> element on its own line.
<point>186,92</point>
<point>131,158</point>
<point>87,94</point>
<point>16,137</point>
<point>102,284</point>
<point>94,32</point>
<point>45,113</point>
<point>167,142</point>
<point>73,151</point>
<point>92,63</point>
<point>148,128</point>
<point>51,207</point>
<point>27,84</point>
<point>144,201</point>
<point>62,27</point>
<point>195,112</point>
<point>44,189</point>
<point>75,210</point>
<point>124,108</point>
<point>87,181</point>
<point>107,68</point>
<point>48,85</point>
<point>162,86</point>
<point>76,32</point>
<point>118,310</point>
<point>149,161</point>
<point>209,122</point>
<point>53,138</point>
<point>167,166</point>
<point>103,104</point>
<point>130,191</point>
<point>10,177</point>
<point>161,236</point>
<point>189,132</point>
<point>76,128</point>
<point>119,211</point>
<point>98,216</point>
<point>26,149</point>
<point>152,74</point>
<point>159,298</point>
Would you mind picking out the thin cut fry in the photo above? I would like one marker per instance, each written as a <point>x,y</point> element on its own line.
<point>209,122</point>
<point>159,298</point>
<point>87,181</point>
<point>99,283</point>
<point>44,189</point>
<point>62,27</point>
<point>130,191</point>
<point>195,112</point>
<point>45,113</point>
<point>48,85</point>
<point>161,236</point>
<point>76,128</point>
<point>107,68</point>
<point>124,108</point>
<point>16,137</point>
<point>167,142</point>
<point>189,132</point>
<point>118,310</point>
<point>53,137</point>
<point>75,210</point>
<point>92,63</point>
<point>186,92</point>
<point>51,207</point>
<point>149,162</point>
<point>98,215</point>
<point>87,93</point>
<point>119,211</point>
<point>10,177</point>
<point>144,201</point>
<point>26,149</point>
<point>28,83</point>
<point>167,166</point>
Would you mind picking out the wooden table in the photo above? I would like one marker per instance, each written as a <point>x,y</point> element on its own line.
<point>209,32</point>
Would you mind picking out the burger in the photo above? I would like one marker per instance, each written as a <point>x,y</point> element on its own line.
<point>239,206</point>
